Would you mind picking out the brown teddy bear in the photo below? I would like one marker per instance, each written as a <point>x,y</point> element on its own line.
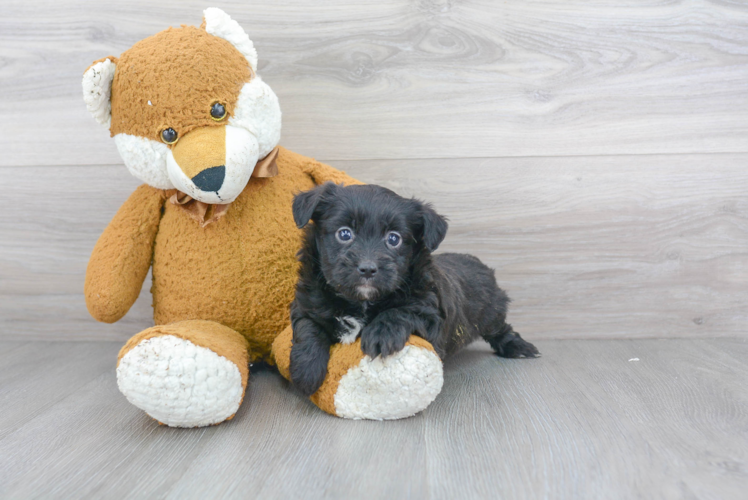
<point>192,119</point>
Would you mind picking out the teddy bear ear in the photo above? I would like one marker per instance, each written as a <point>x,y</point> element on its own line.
<point>218,23</point>
<point>97,89</point>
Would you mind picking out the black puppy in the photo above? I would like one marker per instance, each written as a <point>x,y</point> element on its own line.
<point>367,268</point>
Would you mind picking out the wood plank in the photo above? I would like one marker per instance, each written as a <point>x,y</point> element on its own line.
<point>617,246</point>
<point>583,421</point>
<point>395,79</point>
<point>9,347</point>
<point>41,374</point>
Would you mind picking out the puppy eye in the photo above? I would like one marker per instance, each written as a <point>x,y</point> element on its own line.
<point>169,135</point>
<point>394,239</point>
<point>218,112</point>
<point>344,234</point>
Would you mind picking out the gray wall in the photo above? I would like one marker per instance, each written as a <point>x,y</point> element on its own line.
<point>593,154</point>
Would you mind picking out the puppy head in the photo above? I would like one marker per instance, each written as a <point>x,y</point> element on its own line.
<point>367,237</point>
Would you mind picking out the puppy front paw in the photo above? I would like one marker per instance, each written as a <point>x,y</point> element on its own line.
<point>308,367</point>
<point>383,338</point>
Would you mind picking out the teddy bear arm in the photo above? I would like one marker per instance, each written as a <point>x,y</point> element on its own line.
<point>122,256</point>
<point>321,173</point>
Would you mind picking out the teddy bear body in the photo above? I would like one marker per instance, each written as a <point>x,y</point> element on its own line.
<point>192,119</point>
<point>247,261</point>
<point>237,271</point>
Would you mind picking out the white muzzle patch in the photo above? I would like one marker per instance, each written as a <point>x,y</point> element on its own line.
<point>242,153</point>
<point>145,159</point>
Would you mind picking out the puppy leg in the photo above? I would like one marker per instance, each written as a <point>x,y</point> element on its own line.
<point>493,326</point>
<point>507,343</point>
<point>384,338</point>
<point>391,329</point>
<point>309,356</point>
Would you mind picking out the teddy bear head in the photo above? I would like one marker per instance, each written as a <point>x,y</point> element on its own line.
<point>187,109</point>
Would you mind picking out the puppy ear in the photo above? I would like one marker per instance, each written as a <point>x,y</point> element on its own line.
<point>434,227</point>
<point>305,204</point>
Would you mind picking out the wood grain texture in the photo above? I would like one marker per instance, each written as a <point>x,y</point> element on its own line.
<point>41,375</point>
<point>615,246</point>
<point>583,421</point>
<point>405,79</point>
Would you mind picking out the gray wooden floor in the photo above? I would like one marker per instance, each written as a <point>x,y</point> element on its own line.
<point>583,421</point>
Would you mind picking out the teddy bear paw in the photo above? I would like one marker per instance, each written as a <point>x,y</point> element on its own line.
<point>179,383</point>
<point>394,387</point>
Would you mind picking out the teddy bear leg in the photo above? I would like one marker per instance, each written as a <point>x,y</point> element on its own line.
<point>358,387</point>
<point>185,374</point>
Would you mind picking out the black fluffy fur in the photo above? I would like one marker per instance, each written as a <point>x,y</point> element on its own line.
<point>448,299</point>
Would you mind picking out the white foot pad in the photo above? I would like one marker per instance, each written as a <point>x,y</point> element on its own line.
<point>178,383</point>
<point>395,387</point>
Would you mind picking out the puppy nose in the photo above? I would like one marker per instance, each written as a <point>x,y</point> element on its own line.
<point>367,269</point>
<point>210,179</point>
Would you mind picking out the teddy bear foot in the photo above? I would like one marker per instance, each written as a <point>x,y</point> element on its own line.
<point>390,388</point>
<point>358,387</point>
<point>183,374</point>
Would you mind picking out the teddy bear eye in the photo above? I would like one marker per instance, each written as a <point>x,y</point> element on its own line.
<point>169,135</point>
<point>394,239</point>
<point>344,234</point>
<point>218,111</point>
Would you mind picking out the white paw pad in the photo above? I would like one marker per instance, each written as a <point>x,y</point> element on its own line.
<point>395,387</point>
<point>178,383</point>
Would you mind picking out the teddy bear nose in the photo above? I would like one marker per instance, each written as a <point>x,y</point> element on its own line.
<point>210,179</point>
